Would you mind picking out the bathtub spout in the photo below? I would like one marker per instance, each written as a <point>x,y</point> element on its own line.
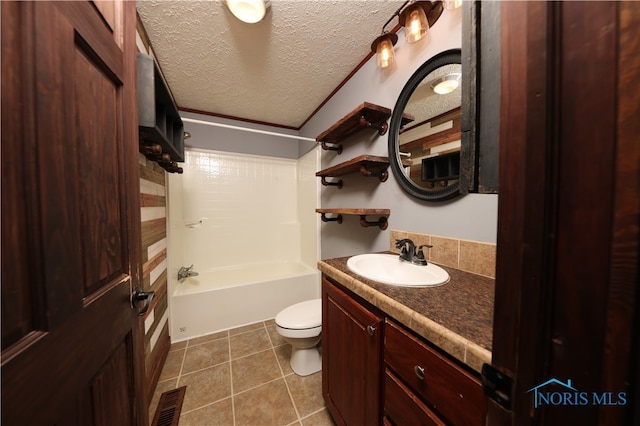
<point>185,272</point>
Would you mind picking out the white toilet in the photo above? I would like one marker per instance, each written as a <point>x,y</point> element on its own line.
<point>300,325</point>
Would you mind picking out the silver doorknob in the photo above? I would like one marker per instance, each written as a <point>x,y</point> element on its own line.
<point>371,330</point>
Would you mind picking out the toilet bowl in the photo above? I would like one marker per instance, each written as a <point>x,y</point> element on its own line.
<point>300,325</point>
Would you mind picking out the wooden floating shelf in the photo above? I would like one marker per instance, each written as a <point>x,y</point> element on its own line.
<point>366,165</point>
<point>406,119</point>
<point>363,213</point>
<point>365,116</point>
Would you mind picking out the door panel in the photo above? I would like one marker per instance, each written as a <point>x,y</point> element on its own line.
<point>71,341</point>
<point>102,219</point>
<point>566,303</point>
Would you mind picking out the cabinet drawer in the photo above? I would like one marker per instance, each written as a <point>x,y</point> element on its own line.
<point>450,390</point>
<point>402,407</point>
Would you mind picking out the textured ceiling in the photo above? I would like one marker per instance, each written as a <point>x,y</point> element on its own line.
<point>277,71</point>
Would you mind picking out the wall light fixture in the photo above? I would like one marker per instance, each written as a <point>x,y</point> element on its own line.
<point>414,20</point>
<point>416,17</point>
<point>383,46</point>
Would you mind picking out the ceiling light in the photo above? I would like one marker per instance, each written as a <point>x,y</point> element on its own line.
<point>414,20</point>
<point>446,84</point>
<point>249,11</point>
<point>383,47</point>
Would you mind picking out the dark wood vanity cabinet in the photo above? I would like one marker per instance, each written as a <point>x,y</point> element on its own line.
<point>351,357</point>
<point>422,381</point>
<point>374,371</point>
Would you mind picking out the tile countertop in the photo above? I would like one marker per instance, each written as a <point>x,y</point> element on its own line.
<point>457,317</point>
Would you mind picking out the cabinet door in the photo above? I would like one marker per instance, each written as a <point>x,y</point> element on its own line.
<point>403,407</point>
<point>351,358</point>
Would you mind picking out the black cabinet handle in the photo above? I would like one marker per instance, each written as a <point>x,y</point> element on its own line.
<point>143,296</point>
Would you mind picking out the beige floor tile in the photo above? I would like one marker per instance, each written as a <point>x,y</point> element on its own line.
<point>283,353</point>
<point>206,355</point>
<point>208,338</point>
<point>245,328</point>
<point>218,414</point>
<point>254,370</point>
<point>206,386</point>
<point>265,390</point>
<point>172,365</point>
<point>306,392</point>
<point>258,406</point>
<point>321,418</point>
<point>178,346</point>
<point>248,343</point>
<point>276,338</point>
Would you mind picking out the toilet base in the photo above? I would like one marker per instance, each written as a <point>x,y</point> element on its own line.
<point>306,361</point>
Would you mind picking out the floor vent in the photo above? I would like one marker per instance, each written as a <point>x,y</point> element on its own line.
<point>169,407</point>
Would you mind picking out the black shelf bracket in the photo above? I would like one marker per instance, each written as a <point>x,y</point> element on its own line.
<point>338,183</point>
<point>324,218</point>
<point>382,223</point>
<point>332,147</point>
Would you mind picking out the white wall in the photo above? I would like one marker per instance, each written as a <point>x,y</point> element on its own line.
<point>472,217</point>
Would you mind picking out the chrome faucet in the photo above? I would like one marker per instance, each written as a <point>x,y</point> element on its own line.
<point>185,272</point>
<point>409,253</point>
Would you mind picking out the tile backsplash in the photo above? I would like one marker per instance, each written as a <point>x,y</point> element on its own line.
<point>471,256</point>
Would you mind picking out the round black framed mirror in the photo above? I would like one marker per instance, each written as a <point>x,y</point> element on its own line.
<point>424,133</point>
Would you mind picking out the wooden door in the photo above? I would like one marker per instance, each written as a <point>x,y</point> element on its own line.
<point>71,342</point>
<point>566,303</point>
<point>351,358</point>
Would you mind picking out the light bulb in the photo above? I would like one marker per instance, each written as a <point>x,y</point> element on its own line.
<point>384,53</point>
<point>416,25</point>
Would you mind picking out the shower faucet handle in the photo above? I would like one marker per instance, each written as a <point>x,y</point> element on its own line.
<point>185,272</point>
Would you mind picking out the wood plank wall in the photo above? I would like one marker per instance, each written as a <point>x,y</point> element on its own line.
<point>153,196</point>
<point>154,258</point>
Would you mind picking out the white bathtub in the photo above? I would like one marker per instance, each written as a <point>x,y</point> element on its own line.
<point>226,298</point>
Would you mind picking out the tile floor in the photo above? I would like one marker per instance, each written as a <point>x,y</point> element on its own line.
<point>241,377</point>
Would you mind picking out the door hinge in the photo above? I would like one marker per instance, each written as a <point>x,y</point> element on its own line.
<point>497,385</point>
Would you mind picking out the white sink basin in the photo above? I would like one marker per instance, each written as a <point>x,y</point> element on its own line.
<point>389,269</point>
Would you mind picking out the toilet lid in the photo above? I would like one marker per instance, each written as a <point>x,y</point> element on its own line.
<point>307,314</point>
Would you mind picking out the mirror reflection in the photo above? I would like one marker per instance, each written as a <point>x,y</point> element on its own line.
<point>430,144</point>
<point>425,130</point>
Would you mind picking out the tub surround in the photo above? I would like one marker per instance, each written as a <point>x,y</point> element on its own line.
<point>457,317</point>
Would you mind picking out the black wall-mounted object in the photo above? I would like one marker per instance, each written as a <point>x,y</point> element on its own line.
<point>441,167</point>
<point>159,122</point>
